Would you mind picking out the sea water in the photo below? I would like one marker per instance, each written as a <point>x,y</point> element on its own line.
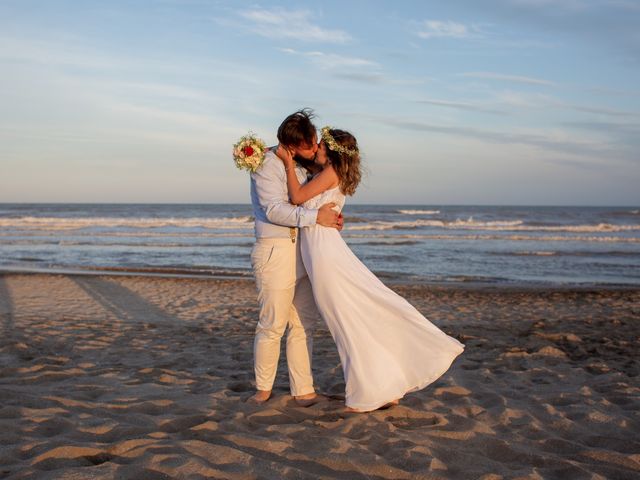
<point>417,243</point>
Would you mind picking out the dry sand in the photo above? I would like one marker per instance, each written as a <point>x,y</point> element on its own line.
<point>136,378</point>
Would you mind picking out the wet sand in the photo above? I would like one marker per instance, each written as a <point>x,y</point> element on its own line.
<point>134,377</point>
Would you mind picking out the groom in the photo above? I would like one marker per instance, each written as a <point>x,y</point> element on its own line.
<point>284,290</point>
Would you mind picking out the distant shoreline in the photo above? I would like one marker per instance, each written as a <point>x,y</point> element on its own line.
<point>372,204</point>
<point>245,275</point>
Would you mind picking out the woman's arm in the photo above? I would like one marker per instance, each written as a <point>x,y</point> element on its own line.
<point>298,194</point>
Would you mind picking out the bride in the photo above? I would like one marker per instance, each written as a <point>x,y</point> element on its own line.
<point>386,347</point>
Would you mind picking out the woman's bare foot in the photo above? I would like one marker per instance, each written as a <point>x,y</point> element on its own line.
<point>260,396</point>
<point>354,410</point>
<point>392,403</point>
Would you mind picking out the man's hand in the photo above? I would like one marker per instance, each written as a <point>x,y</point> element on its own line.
<point>340,222</point>
<point>328,217</point>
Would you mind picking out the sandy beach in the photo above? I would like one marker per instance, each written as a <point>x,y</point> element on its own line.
<point>134,377</point>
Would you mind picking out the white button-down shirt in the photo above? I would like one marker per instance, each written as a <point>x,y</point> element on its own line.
<point>270,199</point>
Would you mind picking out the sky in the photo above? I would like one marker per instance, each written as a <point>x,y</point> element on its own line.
<point>493,102</point>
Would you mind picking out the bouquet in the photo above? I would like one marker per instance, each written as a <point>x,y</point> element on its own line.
<point>248,152</point>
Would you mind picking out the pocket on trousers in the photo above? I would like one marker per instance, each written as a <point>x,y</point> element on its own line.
<point>260,256</point>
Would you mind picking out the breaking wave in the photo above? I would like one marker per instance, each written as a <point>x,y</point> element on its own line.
<point>55,223</point>
<point>419,212</point>
<point>497,225</point>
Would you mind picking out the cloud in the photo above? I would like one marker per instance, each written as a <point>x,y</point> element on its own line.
<point>599,110</point>
<point>600,24</point>
<point>296,24</point>
<point>631,129</point>
<point>544,3</point>
<point>580,164</point>
<point>509,78</point>
<point>551,141</point>
<point>372,78</point>
<point>354,69</point>
<point>51,53</point>
<point>474,107</point>
<point>439,29</point>
<point>627,135</point>
<point>539,101</point>
<point>520,100</point>
<point>575,5</point>
<point>613,92</point>
<point>328,61</point>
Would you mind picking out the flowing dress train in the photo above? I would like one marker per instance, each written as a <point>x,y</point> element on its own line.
<point>387,348</point>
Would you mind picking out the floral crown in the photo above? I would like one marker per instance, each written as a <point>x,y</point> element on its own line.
<point>335,146</point>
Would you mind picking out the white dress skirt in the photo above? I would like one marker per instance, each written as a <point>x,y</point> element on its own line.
<point>387,348</point>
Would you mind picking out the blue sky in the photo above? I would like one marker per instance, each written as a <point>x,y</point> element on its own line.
<point>458,102</point>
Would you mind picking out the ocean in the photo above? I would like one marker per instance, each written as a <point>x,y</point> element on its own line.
<point>416,243</point>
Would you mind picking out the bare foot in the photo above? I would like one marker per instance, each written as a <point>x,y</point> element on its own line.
<point>308,399</point>
<point>392,403</point>
<point>260,396</point>
<point>383,407</point>
<point>353,410</point>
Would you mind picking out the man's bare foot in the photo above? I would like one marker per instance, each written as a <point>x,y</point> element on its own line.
<point>308,399</point>
<point>260,396</point>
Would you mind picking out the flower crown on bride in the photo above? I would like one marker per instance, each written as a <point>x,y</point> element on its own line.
<point>335,146</point>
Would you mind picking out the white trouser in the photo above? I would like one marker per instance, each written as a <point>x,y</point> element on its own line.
<point>286,299</point>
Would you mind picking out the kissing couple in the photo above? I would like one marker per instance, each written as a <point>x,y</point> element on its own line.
<point>303,268</point>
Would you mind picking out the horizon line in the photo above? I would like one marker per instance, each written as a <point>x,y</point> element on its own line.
<point>350,203</point>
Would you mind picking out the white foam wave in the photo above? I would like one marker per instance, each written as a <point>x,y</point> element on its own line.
<point>54,223</point>
<point>154,226</point>
<point>154,234</point>
<point>527,238</point>
<point>382,225</point>
<point>498,225</point>
<point>539,253</point>
<point>419,212</point>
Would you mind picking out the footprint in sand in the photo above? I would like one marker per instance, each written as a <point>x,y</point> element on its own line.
<point>241,356</point>
<point>451,393</point>
<point>271,417</point>
<point>490,400</point>
<point>53,427</point>
<point>182,423</point>
<point>240,387</point>
<point>68,455</point>
<point>417,421</point>
<point>560,446</point>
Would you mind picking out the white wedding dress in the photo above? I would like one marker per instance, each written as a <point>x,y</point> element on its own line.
<point>387,348</point>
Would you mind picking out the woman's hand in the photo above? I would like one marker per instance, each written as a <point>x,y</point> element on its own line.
<point>285,155</point>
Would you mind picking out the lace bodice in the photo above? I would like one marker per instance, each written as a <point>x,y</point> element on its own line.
<point>332,195</point>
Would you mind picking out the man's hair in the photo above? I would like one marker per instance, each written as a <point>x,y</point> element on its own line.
<point>297,129</point>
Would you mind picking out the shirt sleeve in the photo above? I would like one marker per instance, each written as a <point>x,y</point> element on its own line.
<point>273,197</point>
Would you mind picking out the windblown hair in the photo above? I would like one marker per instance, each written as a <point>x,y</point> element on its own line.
<point>297,129</point>
<point>347,166</point>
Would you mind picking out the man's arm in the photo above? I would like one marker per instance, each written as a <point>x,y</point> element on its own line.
<point>270,182</point>
<point>272,196</point>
